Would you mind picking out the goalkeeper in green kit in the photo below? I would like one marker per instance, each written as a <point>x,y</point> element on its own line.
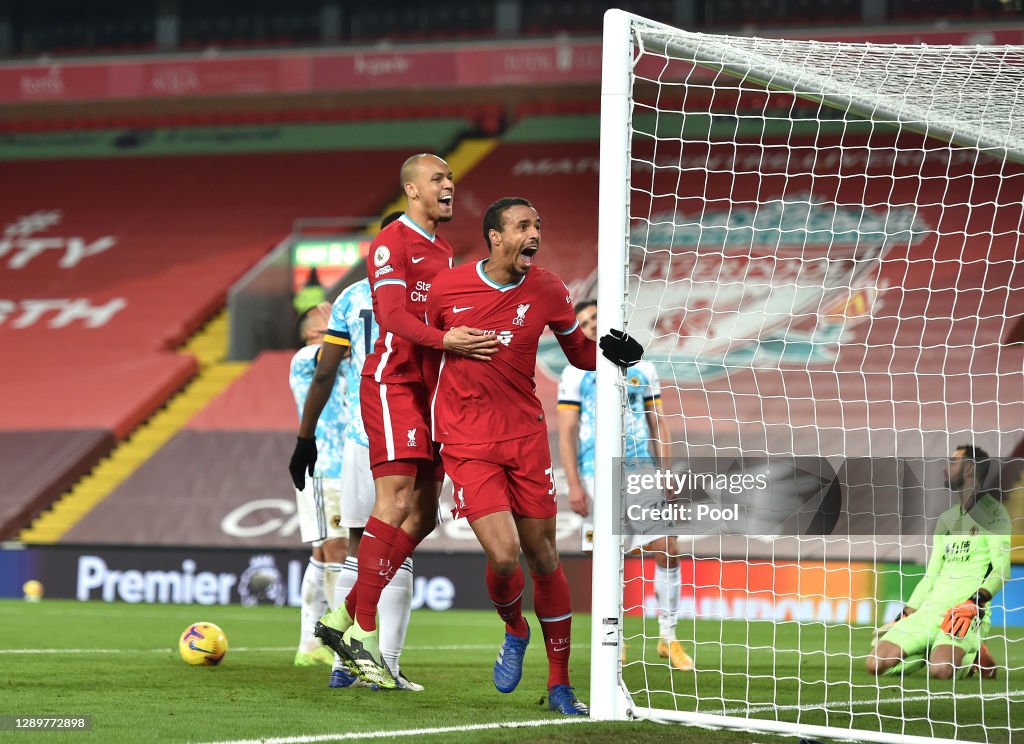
<point>946,619</point>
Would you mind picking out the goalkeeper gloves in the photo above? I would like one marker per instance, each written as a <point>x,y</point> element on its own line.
<point>303,460</point>
<point>621,348</point>
<point>961,619</point>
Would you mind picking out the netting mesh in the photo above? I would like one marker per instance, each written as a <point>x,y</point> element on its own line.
<point>965,93</point>
<point>836,275</point>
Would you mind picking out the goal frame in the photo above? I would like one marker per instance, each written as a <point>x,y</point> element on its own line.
<point>609,697</point>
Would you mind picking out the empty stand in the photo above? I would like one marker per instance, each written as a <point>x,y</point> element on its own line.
<point>110,264</point>
<point>486,118</point>
<point>31,482</point>
<point>107,27</point>
<point>249,24</point>
<point>229,454</point>
<point>552,161</point>
<point>414,21</point>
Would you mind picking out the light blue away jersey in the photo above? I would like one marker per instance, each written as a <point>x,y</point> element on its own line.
<point>352,319</point>
<point>578,390</point>
<point>330,429</point>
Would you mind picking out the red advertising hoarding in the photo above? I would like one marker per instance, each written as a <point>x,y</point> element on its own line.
<point>449,66</point>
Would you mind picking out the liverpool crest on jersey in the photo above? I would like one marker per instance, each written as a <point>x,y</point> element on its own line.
<point>520,318</point>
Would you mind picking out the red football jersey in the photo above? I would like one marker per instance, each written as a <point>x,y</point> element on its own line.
<point>402,254</point>
<point>495,400</point>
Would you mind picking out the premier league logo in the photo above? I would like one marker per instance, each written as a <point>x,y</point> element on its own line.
<point>261,583</point>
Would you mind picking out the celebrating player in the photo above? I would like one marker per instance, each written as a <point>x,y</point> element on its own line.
<point>318,504</point>
<point>493,436</point>
<point>577,415</point>
<point>404,257</point>
<point>946,619</point>
<point>353,329</point>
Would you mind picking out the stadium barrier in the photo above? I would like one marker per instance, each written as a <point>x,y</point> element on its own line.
<point>712,588</point>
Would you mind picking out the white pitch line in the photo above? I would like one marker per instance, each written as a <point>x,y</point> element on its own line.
<point>244,649</point>
<point>169,649</point>
<point>472,647</point>
<point>314,738</point>
<point>844,704</point>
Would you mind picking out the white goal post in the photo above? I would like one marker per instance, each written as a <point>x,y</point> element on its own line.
<point>817,245</point>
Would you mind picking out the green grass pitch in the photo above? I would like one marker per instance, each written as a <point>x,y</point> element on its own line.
<point>119,664</point>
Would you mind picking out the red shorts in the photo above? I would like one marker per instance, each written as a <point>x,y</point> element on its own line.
<point>395,416</point>
<point>514,475</point>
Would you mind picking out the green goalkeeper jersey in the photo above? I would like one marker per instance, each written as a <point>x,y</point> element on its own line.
<point>970,551</point>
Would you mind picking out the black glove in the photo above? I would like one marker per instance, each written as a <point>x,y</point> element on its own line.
<point>621,348</point>
<point>303,459</point>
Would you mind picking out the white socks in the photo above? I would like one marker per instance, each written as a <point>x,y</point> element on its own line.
<point>666,588</point>
<point>332,572</point>
<point>314,604</point>
<point>393,615</point>
<point>345,580</point>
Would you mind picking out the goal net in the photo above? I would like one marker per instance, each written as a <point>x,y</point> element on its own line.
<point>819,247</point>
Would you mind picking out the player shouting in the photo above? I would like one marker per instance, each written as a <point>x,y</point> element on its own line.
<point>493,436</point>
<point>404,257</point>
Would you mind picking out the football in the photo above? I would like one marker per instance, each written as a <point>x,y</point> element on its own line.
<point>33,590</point>
<point>203,644</point>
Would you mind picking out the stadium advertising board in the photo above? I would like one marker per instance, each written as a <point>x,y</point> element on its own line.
<point>829,592</point>
<point>855,593</point>
<point>408,66</point>
<point>1008,606</point>
<point>214,576</point>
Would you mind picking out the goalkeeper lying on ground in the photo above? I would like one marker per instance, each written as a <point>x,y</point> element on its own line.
<point>945,621</point>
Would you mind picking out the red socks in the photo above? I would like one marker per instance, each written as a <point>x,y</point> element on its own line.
<point>375,571</point>
<point>382,550</point>
<point>506,593</point>
<point>552,605</point>
<point>403,547</point>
